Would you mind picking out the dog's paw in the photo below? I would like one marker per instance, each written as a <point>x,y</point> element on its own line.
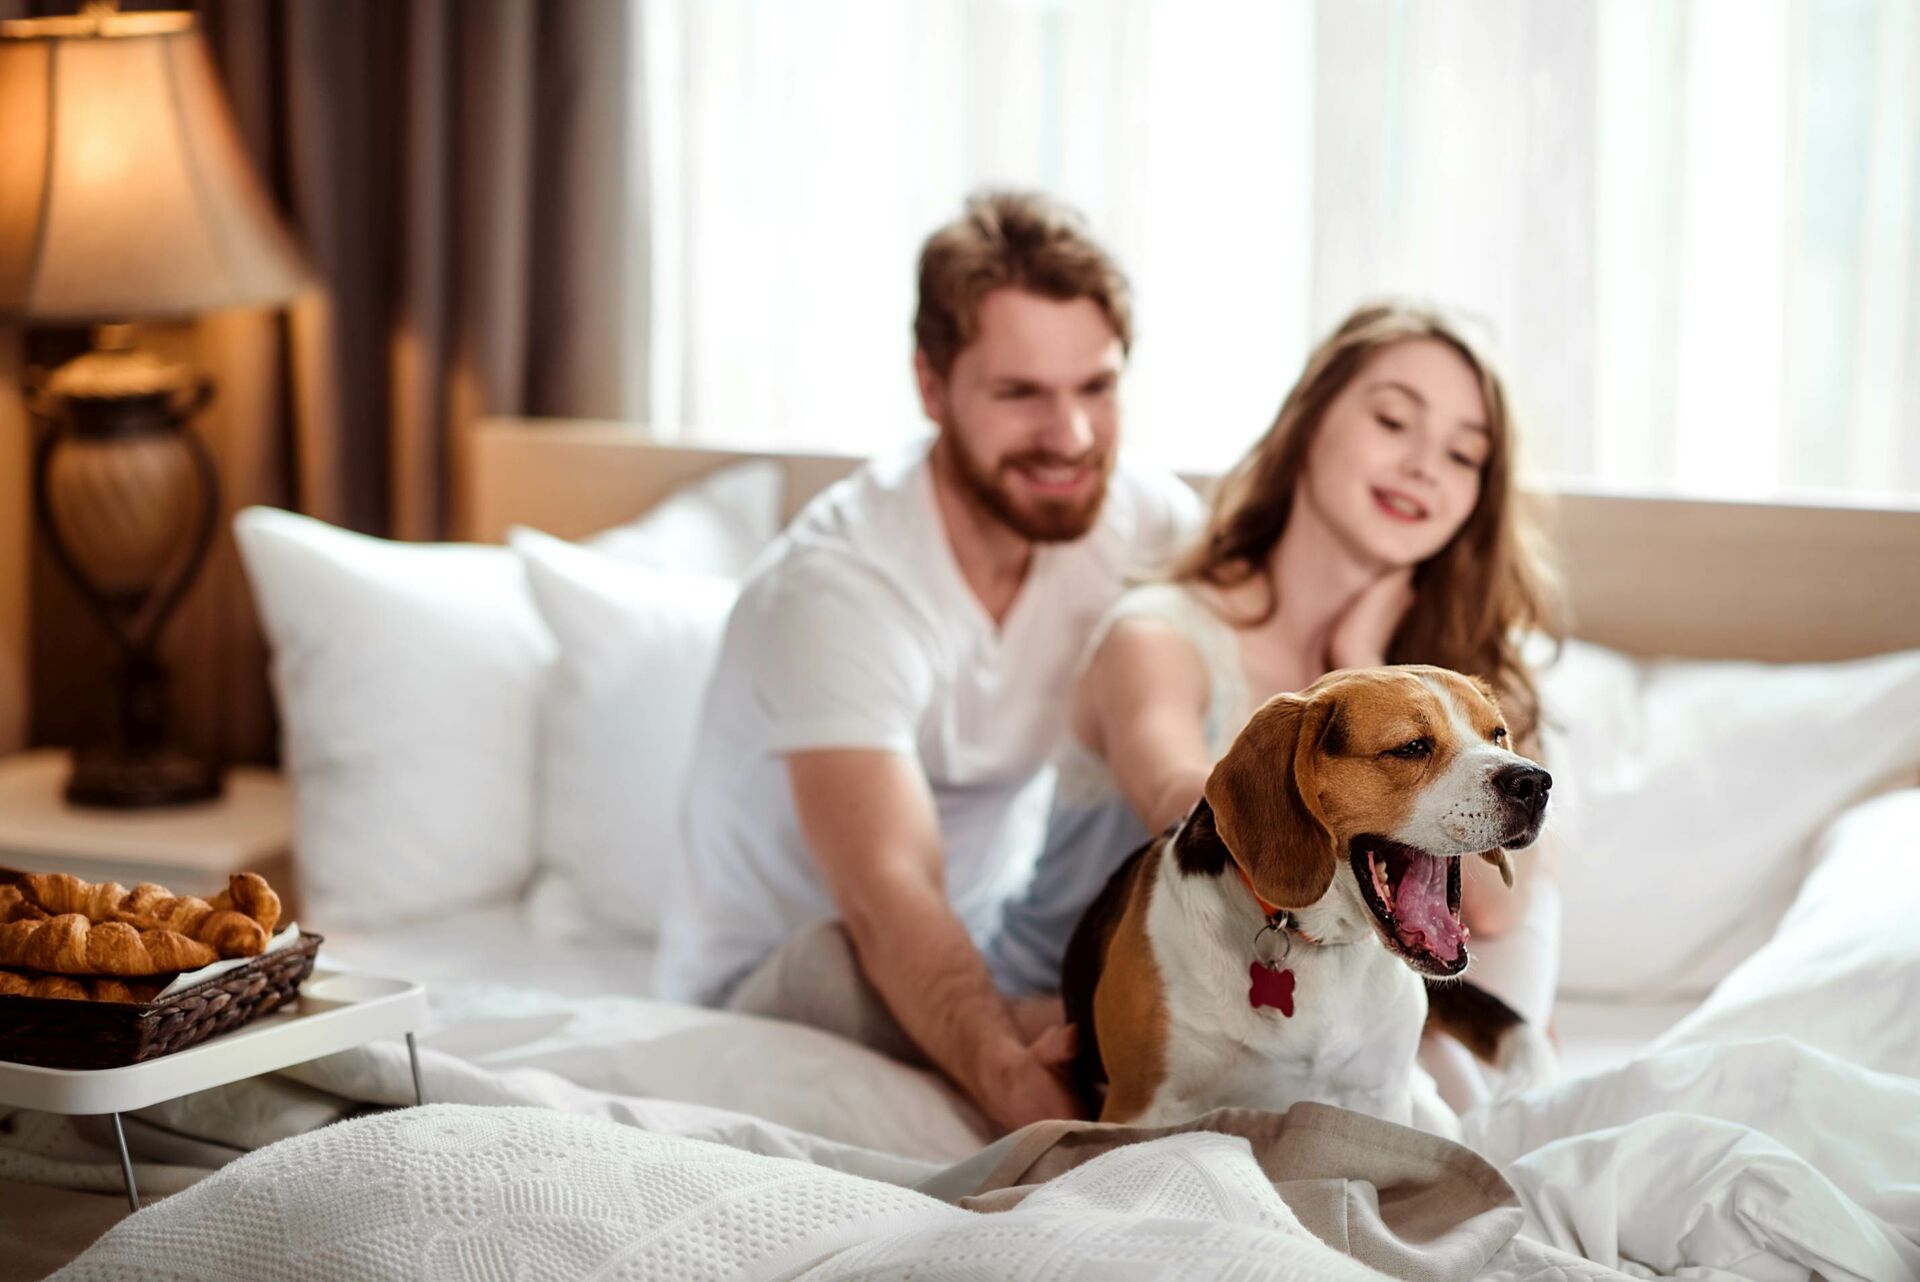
<point>1525,1060</point>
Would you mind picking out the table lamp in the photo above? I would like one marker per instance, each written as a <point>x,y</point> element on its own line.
<point>125,195</point>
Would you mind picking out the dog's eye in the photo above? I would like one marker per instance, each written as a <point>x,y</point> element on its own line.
<point>1412,748</point>
<point>1499,734</point>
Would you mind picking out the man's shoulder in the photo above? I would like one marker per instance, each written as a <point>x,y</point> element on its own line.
<point>870,501</point>
<point>858,547</point>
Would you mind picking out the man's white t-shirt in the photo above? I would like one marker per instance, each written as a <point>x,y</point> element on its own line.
<point>856,630</point>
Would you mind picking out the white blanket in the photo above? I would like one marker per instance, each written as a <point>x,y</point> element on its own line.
<point>452,1193</point>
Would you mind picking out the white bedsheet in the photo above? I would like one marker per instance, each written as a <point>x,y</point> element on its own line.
<point>517,944</point>
<point>1593,1036</point>
<point>509,945</point>
<point>1763,1159</point>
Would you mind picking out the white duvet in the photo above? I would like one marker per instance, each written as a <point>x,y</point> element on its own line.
<point>1774,1134</point>
<point>452,1193</point>
<point>1749,1160</point>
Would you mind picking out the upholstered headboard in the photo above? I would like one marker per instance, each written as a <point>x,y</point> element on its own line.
<point>1644,574</point>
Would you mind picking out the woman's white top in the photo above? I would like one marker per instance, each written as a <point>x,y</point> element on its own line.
<point>1093,830</point>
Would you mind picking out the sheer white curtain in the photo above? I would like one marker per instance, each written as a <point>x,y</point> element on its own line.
<point>1689,228</point>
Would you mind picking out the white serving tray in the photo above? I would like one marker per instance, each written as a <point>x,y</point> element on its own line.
<point>285,1037</point>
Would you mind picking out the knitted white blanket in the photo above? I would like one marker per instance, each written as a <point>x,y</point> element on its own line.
<point>463,1193</point>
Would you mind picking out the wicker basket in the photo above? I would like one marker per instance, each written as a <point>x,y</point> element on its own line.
<point>57,1033</point>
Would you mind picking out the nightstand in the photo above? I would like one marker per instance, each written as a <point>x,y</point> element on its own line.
<point>190,849</point>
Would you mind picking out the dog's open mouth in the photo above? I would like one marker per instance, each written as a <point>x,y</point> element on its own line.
<point>1415,897</point>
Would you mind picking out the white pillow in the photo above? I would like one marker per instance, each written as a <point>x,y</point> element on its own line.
<point>1686,794</point>
<point>636,646</point>
<point>715,526</point>
<point>1842,973</point>
<point>408,678</point>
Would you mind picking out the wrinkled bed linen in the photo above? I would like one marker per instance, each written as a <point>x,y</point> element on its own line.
<point>1763,1159</point>
<point>1727,1150</point>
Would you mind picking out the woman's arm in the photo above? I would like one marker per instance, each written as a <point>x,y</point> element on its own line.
<point>1141,706</point>
<point>1486,904</point>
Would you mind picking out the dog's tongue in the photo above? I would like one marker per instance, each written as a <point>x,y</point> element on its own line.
<point>1420,908</point>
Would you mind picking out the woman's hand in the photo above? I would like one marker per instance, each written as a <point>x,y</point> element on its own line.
<point>1362,634</point>
<point>1487,904</point>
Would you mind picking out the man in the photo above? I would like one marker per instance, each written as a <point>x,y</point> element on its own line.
<point>869,783</point>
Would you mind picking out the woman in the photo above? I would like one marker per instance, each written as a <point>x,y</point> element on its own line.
<point>1377,521</point>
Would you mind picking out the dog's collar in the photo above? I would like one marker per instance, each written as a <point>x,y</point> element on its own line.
<point>1270,911</point>
<point>1277,917</point>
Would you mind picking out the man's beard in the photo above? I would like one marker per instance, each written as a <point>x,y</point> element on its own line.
<point>1044,520</point>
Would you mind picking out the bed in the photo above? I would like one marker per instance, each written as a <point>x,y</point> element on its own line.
<point>1643,575</point>
<point>1739,720</point>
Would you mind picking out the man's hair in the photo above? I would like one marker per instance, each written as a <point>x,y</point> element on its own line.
<point>1025,240</point>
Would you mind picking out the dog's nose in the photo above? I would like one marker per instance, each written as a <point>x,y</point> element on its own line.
<point>1525,784</point>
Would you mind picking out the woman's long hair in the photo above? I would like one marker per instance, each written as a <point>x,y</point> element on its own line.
<point>1476,599</point>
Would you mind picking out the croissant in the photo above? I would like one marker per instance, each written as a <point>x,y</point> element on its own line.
<point>100,989</point>
<point>105,988</point>
<point>152,907</point>
<point>232,934</point>
<point>12,985</point>
<point>14,906</point>
<point>59,892</point>
<point>69,944</point>
<point>249,893</point>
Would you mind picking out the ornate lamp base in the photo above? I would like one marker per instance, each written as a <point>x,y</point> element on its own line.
<point>128,501</point>
<point>128,781</point>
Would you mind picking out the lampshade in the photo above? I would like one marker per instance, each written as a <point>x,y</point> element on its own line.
<point>124,190</point>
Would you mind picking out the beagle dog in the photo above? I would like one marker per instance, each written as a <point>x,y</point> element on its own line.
<point>1275,945</point>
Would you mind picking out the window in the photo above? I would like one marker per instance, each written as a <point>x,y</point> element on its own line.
<point>1689,229</point>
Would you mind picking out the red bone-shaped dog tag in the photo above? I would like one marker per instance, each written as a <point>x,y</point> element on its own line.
<point>1271,987</point>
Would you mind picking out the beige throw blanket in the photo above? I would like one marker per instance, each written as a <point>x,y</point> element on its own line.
<point>1407,1203</point>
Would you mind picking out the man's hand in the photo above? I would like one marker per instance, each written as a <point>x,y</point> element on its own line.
<point>1363,633</point>
<point>1034,1015</point>
<point>870,821</point>
<point>1017,1085</point>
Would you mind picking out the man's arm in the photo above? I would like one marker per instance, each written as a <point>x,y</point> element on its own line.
<point>870,821</point>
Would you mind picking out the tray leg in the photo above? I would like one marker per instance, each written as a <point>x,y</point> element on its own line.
<point>413,1057</point>
<point>126,1164</point>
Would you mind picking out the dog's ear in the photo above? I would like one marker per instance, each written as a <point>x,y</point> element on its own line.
<point>1265,802</point>
<point>1499,859</point>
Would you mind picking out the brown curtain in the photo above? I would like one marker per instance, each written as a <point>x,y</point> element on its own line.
<point>16,538</point>
<point>467,177</point>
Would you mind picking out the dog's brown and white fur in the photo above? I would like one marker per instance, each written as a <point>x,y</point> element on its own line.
<point>1389,775</point>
